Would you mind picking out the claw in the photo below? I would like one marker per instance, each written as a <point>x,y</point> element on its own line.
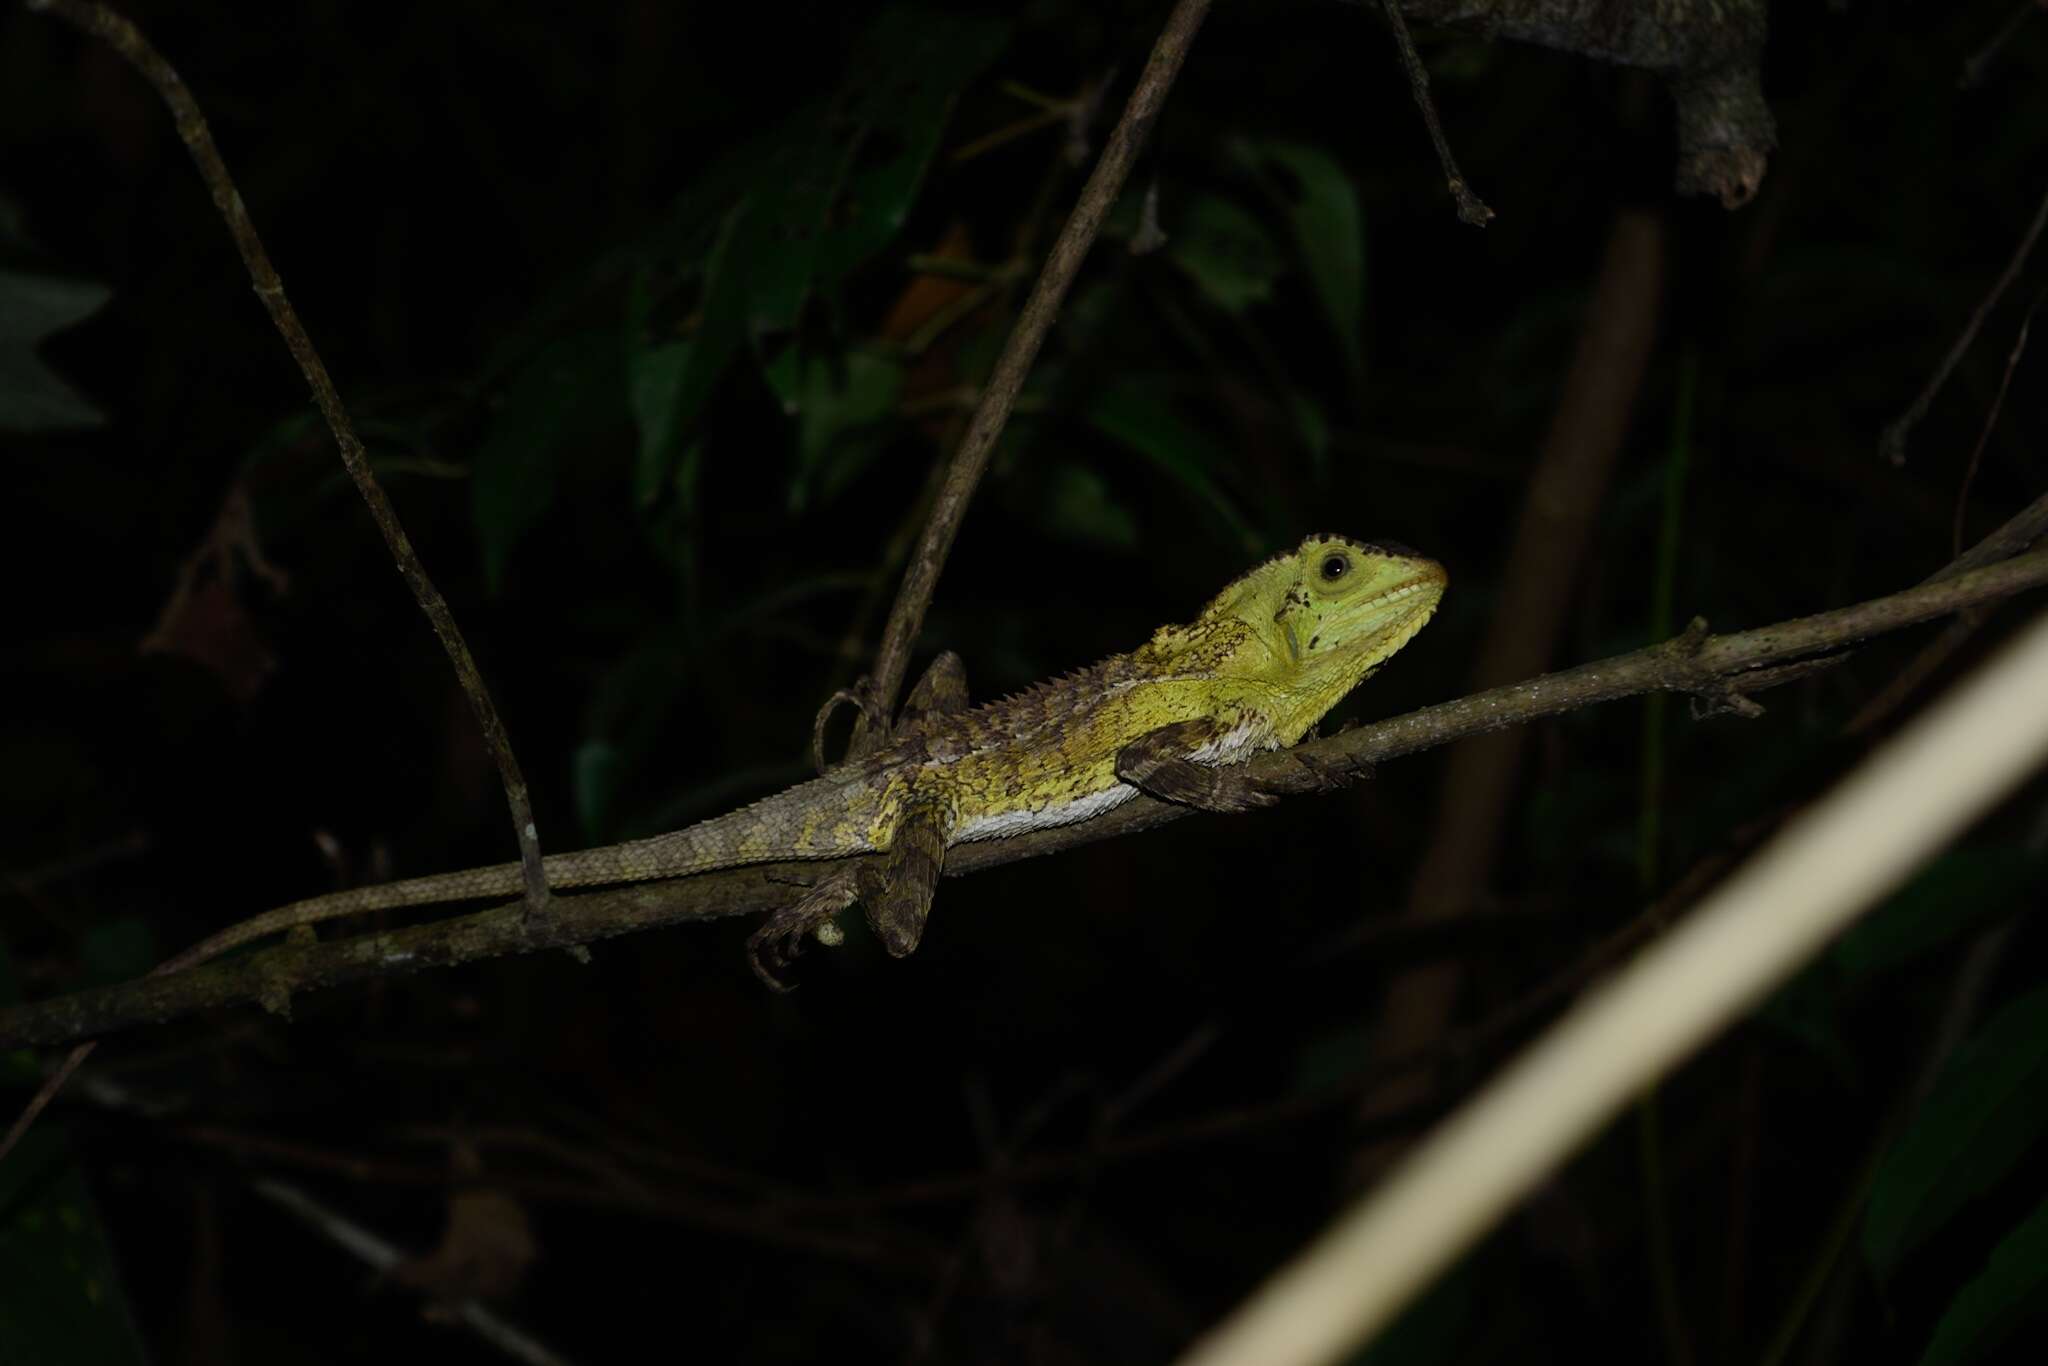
<point>763,949</point>
<point>780,939</point>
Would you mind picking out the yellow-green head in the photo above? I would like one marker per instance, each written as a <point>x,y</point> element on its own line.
<point>1321,619</point>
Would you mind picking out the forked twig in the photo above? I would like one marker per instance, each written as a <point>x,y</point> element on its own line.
<point>1471,209</point>
<point>1892,445</point>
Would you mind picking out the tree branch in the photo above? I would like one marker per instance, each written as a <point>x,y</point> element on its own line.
<point>1712,667</point>
<point>129,42</point>
<point>1708,53</point>
<point>1006,380</point>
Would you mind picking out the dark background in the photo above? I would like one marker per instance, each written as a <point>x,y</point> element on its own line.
<point>1112,1089</point>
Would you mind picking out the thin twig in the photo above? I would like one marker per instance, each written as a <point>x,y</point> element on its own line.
<point>129,42</point>
<point>382,1257</point>
<point>1693,662</point>
<point>1892,445</point>
<point>2020,530</point>
<point>1990,420</point>
<point>1973,69</point>
<point>1006,380</point>
<point>1471,209</point>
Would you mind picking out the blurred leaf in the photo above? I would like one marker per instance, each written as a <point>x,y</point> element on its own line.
<point>596,782</point>
<point>1982,1117</point>
<point>1461,61</point>
<point>63,1304</point>
<point>902,80</point>
<point>635,695</point>
<point>1952,895</point>
<point>803,205</point>
<point>833,399</point>
<point>557,404</point>
<point>117,950</point>
<point>32,307</point>
<point>1227,252</point>
<point>1138,413</point>
<point>2012,1288</point>
<point>671,379</point>
<point>1322,207</point>
<point>1078,505</point>
<point>1312,426</point>
<point>1429,1330</point>
<point>1333,1056</point>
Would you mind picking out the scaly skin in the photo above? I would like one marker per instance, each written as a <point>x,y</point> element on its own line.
<point>1261,664</point>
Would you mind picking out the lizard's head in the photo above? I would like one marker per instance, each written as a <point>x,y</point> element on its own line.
<point>1325,616</point>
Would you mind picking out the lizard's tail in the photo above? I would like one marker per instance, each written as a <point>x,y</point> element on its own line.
<point>823,818</point>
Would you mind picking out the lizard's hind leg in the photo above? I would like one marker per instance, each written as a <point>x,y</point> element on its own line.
<point>780,938</point>
<point>899,894</point>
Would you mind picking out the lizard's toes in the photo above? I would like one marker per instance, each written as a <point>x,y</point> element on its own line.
<point>772,948</point>
<point>765,959</point>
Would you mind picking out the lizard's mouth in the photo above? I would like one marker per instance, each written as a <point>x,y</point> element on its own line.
<point>1429,581</point>
<point>1389,618</point>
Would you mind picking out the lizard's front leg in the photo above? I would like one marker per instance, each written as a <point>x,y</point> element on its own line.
<point>1157,762</point>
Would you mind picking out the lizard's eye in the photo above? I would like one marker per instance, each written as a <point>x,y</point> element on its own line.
<point>1335,567</point>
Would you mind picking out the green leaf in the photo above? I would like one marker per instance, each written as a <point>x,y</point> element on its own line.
<point>670,378</point>
<point>803,205</point>
<point>1226,252</point>
<point>1078,505</point>
<point>1430,1330</point>
<point>1138,413</point>
<point>117,950</point>
<point>598,765</point>
<point>1981,1118</point>
<point>1313,427</point>
<point>902,79</point>
<point>63,1304</point>
<point>2012,1288</point>
<point>834,401</point>
<point>1950,896</point>
<point>32,307</point>
<point>1329,229</point>
<point>555,405</point>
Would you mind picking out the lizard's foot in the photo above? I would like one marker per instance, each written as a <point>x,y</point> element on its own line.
<point>1321,775</point>
<point>780,939</point>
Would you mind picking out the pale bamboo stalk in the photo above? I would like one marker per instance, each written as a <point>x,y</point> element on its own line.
<point>1778,911</point>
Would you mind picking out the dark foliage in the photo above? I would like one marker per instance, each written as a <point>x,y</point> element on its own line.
<point>656,320</point>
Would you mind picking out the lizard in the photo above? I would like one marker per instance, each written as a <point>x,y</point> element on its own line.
<point>1255,671</point>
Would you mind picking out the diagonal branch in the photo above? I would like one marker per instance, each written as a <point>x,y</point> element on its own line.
<point>128,41</point>
<point>1715,668</point>
<point>1006,380</point>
